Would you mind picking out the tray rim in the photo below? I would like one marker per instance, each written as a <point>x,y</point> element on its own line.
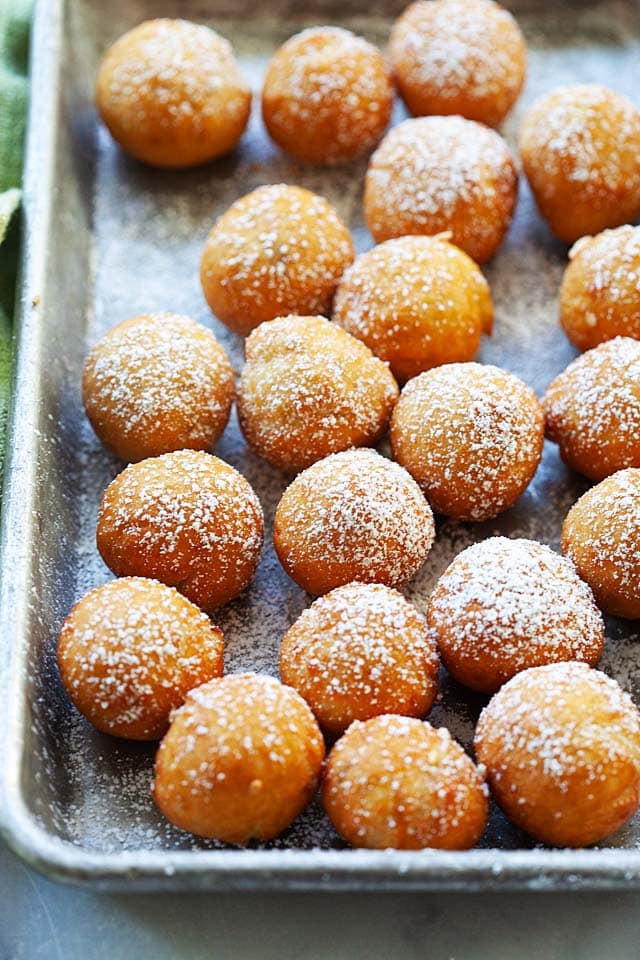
<point>535,869</point>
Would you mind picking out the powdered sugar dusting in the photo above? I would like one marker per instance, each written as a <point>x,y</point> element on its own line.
<point>354,516</point>
<point>592,409</point>
<point>449,49</point>
<point>471,435</point>
<point>162,372</point>
<point>507,604</point>
<point>552,735</point>
<point>309,389</point>
<point>330,84</point>
<point>359,651</point>
<point>435,174</point>
<point>187,519</point>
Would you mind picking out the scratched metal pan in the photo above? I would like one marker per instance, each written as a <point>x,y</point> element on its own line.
<point>106,238</point>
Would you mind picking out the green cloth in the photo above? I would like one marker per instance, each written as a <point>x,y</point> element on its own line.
<point>14,39</point>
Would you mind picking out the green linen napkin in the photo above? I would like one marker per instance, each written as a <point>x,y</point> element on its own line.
<point>14,38</point>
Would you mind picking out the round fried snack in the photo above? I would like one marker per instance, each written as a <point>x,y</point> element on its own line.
<point>464,57</point>
<point>600,293</point>
<point>352,516</point>
<point>437,174</point>
<point>601,535</point>
<point>580,150</point>
<point>171,94</point>
<point>187,519</point>
<point>471,435</point>
<point>360,651</point>
<point>592,409</point>
<point>279,250</point>
<point>398,782</point>
<point>130,651</point>
<point>309,389</point>
<point>157,383</point>
<point>505,605</point>
<point>240,761</point>
<point>327,96</point>
<point>416,302</point>
<point>561,746</point>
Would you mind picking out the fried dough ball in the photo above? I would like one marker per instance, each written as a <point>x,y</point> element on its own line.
<point>309,389</point>
<point>561,745</point>
<point>580,150</point>
<point>600,293</point>
<point>601,535</point>
<point>130,651</point>
<point>592,409</point>
<point>187,519</point>
<point>327,96</point>
<point>505,605</point>
<point>279,250</point>
<point>156,383</point>
<point>360,651</point>
<point>416,302</point>
<point>353,516</point>
<point>398,782</point>
<point>440,174</point>
<point>171,94</point>
<point>471,435</point>
<point>464,57</point>
<point>240,761</point>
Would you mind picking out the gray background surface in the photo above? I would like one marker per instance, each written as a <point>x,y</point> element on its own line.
<point>41,920</point>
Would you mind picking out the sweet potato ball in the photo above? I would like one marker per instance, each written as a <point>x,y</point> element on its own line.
<point>130,651</point>
<point>171,93</point>
<point>464,57</point>
<point>277,251</point>
<point>240,761</point>
<point>187,519</point>
<point>352,516</point>
<point>360,651</point>
<point>327,96</point>
<point>580,150</point>
<point>398,782</point>
<point>156,383</point>
<point>561,746</point>
<point>309,389</point>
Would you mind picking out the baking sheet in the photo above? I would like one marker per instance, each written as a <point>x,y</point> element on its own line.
<point>107,238</point>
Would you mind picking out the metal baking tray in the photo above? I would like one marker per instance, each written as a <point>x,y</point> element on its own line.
<point>106,238</point>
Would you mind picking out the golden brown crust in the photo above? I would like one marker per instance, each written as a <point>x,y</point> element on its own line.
<point>561,745</point>
<point>130,651</point>
<point>592,409</point>
<point>580,150</point>
<point>156,383</point>
<point>438,174</point>
<point>397,782</point>
<point>309,389</point>
<point>187,519</point>
<point>465,57</point>
<point>360,651</point>
<point>471,435</point>
<point>416,302</point>
<point>279,250</point>
<point>240,761</point>
<point>171,94</point>
<point>600,293</point>
<point>601,535</point>
<point>504,605</point>
<point>327,96</point>
<point>352,516</point>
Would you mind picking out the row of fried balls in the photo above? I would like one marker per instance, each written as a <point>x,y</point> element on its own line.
<point>559,742</point>
<point>172,95</point>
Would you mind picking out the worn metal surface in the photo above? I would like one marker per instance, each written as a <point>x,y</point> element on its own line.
<point>107,238</point>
